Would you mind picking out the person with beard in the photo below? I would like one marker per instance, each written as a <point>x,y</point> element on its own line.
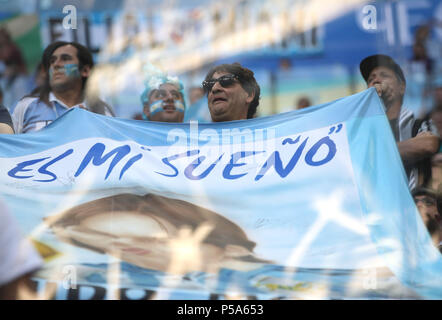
<point>427,203</point>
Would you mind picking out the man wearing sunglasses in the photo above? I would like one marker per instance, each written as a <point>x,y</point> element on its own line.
<point>427,204</point>
<point>232,92</point>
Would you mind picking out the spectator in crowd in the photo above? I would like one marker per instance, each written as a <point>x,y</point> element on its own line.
<point>67,67</point>
<point>417,140</point>
<point>5,120</point>
<point>18,259</point>
<point>13,73</point>
<point>232,92</point>
<point>303,102</point>
<point>427,203</point>
<point>163,98</point>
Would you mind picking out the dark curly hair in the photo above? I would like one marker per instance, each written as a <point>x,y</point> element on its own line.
<point>247,80</point>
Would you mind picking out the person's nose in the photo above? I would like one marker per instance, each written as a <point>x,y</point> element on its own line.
<point>375,80</point>
<point>216,88</point>
<point>168,96</point>
<point>423,210</point>
<point>57,63</point>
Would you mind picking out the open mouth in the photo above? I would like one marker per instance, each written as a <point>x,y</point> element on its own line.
<point>218,99</point>
<point>169,108</point>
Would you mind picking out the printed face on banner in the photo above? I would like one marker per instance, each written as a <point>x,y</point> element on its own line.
<point>155,233</point>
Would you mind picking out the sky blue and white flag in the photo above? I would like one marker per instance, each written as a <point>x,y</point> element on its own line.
<point>310,204</point>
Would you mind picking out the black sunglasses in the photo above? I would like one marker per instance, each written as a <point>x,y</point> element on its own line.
<point>225,81</point>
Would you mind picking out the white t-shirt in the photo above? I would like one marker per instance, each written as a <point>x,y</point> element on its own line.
<point>17,255</point>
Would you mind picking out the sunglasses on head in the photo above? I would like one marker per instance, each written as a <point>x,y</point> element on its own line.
<point>224,81</point>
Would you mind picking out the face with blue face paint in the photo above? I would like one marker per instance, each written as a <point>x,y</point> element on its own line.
<point>64,70</point>
<point>165,104</point>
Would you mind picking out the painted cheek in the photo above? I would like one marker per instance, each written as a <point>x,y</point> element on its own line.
<point>51,73</point>
<point>71,70</point>
<point>179,106</point>
<point>156,107</point>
